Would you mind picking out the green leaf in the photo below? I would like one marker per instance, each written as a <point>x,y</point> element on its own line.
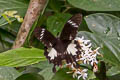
<point>7,33</point>
<point>43,65</point>
<point>47,73</point>
<point>12,28</point>
<point>113,71</point>
<point>21,57</point>
<point>8,73</point>
<point>46,69</point>
<point>56,23</point>
<point>55,5</point>
<point>30,76</point>
<point>18,5</point>
<point>96,5</point>
<point>6,40</point>
<point>115,77</point>
<point>91,75</point>
<point>62,75</point>
<point>106,28</point>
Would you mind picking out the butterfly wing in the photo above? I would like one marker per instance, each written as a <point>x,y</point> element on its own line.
<point>45,37</point>
<point>71,27</point>
<point>50,42</point>
<point>68,35</point>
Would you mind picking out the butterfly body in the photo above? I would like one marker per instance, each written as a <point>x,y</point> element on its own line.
<point>62,48</point>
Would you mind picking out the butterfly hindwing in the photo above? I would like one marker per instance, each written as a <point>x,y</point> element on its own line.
<point>45,37</point>
<point>70,29</point>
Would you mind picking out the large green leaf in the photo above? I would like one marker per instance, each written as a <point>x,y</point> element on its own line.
<point>96,5</point>
<point>21,57</point>
<point>8,73</point>
<point>107,28</point>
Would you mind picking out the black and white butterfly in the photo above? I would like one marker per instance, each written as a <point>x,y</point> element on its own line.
<point>62,48</point>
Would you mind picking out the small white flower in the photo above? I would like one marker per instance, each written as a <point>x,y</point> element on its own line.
<point>85,59</point>
<point>77,72</point>
<point>89,45</point>
<point>96,51</point>
<point>86,41</point>
<point>82,74</point>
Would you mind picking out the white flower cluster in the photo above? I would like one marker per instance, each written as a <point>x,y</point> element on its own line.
<point>87,56</point>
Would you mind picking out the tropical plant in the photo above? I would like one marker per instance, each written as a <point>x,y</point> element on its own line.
<point>100,25</point>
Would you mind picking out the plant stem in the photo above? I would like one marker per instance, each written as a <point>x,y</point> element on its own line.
<point>35,7</point>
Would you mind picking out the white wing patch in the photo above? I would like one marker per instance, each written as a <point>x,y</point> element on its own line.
<point>52,54</point>
<point>73,23</point>
<point>70,37</point>
<point>42,33</point>
<point>71,49</point>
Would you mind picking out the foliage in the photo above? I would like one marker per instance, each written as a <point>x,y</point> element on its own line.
<point>100,24</point>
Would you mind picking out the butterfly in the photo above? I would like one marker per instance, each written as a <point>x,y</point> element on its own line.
<point>63,47</point>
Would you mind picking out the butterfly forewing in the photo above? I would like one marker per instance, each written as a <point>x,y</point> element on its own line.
<point>45,37</point>
<point>70,29</point>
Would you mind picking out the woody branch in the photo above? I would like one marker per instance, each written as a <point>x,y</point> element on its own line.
<point>35,7</point>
